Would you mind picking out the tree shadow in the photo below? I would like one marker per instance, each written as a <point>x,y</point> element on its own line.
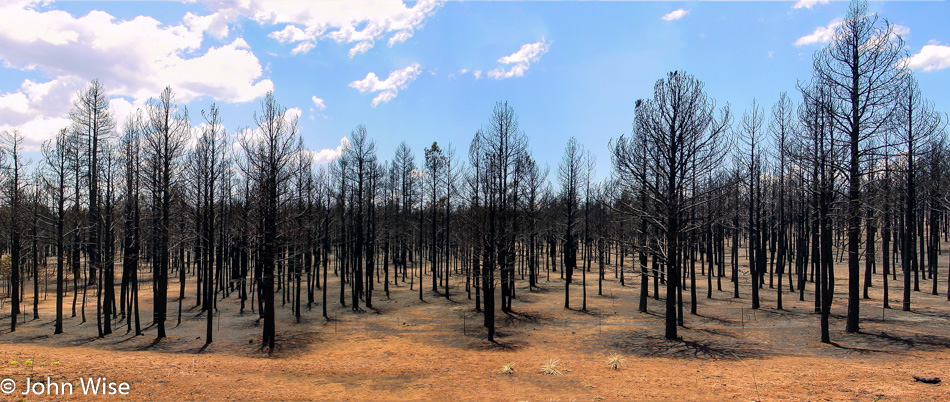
<point>930,342</point>
<point>151,345</point>
<point>524,317</point>
<point>645,344</point>
<point>496,344</point>
<point>720,321</point>
<point>856,349</point>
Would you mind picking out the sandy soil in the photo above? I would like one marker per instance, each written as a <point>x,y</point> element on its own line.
<point>435,350</point>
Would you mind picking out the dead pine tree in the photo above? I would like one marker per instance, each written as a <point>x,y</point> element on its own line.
<point>268,155</point>
<point>678,134</point>
<point>164,144</point>
<point>570,176</point>
<point>862,69</point>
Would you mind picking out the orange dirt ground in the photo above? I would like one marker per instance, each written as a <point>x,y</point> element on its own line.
<point>405,349</point>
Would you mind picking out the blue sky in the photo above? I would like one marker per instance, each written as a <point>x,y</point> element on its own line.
<point>407,70</point>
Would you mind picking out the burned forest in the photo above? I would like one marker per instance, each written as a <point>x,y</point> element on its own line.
<point>714,232</point>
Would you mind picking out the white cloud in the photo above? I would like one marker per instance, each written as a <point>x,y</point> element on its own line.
<point>931,57</point>
<point>318,103</point>
<point>121,109</point>
<point>303,47</point>
<point>254,134</point>
<point>361,47</point>
<point>38,109</point>
<point>215,24</point>
<point>675,15</point>
<point>290,33</point>
<point>821,34</point>
<point>133,58</point>
<point>388,88</point>
<point>477,74</point>
<point>522,59</point>
<point>809,3</point>
<point>293,113</point>
<point>328,155</point>
<point>358,22</point>
<point>901,30</point>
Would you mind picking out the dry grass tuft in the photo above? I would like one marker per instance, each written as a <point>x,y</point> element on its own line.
<point>551,367</point>
<point>615,360</point>
<point>508,368</point>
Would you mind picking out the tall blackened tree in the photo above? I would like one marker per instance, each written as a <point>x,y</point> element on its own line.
<point>862,69</point>
<point>56,154</point>
<point>496,151</point>
<point>269,153</point>
<point>751,128</point>
<point>208,164</point>
<point>917,126</point>
<point>571,173</point>
<point>435,166</point>
<point>782,127</point>
<point>14,166</point>
<point>678,136</point>
<point>167,133</point>
<point>131,149</point>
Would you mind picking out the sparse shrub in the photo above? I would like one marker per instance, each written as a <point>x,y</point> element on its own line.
<point>508,368</point>
<point>615,360</point>
<point>551,367</point>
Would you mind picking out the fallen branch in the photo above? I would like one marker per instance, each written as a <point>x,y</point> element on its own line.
<point>927,380</point>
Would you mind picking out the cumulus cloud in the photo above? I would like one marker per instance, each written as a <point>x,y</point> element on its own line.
<point>328,155</point>
<point>820,35</point>
<point>390,87</point>
<point>675,15</point>
<point>38,109</point>
<point>215,24</point>
<point>360,23</point>
<point>292,114</point>
<point>134,59</point>
<point>520,60</point>
<point>931,57</point>
<point>809,3</point>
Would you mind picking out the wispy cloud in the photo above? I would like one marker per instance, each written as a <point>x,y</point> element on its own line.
<point>318,103</point>
<point>390,87</point>
<point>520,60</point>
<point>809,3</point>
<point>820,35</point>
<point>360,23</point>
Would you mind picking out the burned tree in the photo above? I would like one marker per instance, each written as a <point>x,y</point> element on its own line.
<point>571,173</point>
<point>164,144</point>
<point>57,160</point>
<point>495,151</point>
<point>861,69</point>
<point>677,135</point>
<point>14,165</point>
<point>269,153</point>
